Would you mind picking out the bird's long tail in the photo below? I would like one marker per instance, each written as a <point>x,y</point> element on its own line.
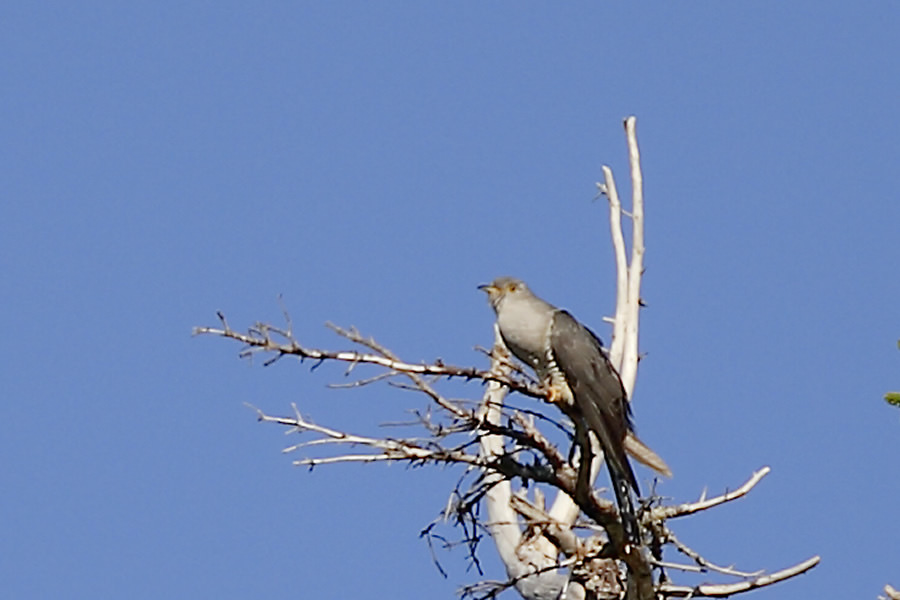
<point>626,507</point>
<point>644,455</point>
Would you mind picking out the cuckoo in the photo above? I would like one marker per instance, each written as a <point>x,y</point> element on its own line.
<point>572,365</point>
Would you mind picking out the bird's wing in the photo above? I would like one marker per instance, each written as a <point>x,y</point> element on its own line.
<point>596,387</point>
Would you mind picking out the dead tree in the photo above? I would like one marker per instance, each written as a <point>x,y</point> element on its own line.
<point>566,548</point>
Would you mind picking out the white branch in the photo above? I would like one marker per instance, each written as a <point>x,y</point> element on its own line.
<point>521,560</point>
<point>728,589</point>
<point>668,512</point>
<point>628,367</point>
<point>617,344</point>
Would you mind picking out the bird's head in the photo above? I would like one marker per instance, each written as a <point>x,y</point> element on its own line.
<point>502,288</point>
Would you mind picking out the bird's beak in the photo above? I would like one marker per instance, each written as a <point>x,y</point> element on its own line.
<point>493,294</point>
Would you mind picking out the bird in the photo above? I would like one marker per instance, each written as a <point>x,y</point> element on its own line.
<point>575,370</point>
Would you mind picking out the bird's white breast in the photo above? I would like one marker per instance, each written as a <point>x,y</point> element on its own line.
<point>523,333</point>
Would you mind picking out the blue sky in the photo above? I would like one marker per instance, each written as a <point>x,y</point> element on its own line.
<point>373,163</point>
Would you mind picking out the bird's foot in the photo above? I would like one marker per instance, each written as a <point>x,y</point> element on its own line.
<point>553,394</point>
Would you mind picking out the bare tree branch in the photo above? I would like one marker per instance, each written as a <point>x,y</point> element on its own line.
<point>628,367</point>
<point>260,339</point>
<point>669,512</point>
<point>892,594</point>
<point>531,566</point>
<point>617,345</point>
<point>702,563</point>
<point>729,589</point>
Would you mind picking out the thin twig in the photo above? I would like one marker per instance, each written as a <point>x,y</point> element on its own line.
<point>259,339</point>
<point>728,589</point>
<point>704,563</point>
<point>670,512</point>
